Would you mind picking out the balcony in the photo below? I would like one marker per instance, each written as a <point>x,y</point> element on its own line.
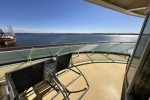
<point>103,64</point>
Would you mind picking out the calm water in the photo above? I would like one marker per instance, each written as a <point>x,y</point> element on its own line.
<point>39,39</point>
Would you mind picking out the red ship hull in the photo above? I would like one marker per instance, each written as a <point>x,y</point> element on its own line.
<point>6,41</point>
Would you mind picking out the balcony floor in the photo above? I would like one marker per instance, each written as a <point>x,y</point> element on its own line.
<point>105,80</point>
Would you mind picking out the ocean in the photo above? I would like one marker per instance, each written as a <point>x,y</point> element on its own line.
<point>27,39</point>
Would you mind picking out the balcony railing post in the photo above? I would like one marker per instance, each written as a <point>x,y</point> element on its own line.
<point>94,48</point>
<point>113,47</point>
<point>79,49</point>
<point>69,48</point>
<point>57,53</point>
<point>78,53</point>
<point>126,50</point>
<point>49,51</point>
<point>29,58</point>
<point>92,51</point>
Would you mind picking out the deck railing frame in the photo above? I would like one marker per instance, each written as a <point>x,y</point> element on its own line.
<point>60,47</point>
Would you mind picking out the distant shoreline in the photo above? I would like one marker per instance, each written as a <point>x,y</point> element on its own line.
<point>87,33</point>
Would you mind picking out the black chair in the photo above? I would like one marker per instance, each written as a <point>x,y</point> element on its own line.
<point>63,64</point>
<point>20,80</point>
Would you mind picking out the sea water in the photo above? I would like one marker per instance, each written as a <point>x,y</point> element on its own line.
<point>28,39</point>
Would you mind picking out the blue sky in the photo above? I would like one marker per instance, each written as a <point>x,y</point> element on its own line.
<point>73,16</point>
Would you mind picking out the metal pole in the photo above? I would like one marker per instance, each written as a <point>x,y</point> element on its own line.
<point>29,58</point>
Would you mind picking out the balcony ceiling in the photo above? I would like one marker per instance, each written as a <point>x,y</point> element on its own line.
<point>137,8</point>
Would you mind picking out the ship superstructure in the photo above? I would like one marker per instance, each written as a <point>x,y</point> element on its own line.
<point>7,37</point>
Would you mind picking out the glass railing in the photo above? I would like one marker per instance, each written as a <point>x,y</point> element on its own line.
<point>83,52</point>
<point>32,53</point>
<point>38,52</point>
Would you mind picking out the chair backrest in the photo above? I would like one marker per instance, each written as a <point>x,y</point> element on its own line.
<point>24,78</point>
<point>63,61</point>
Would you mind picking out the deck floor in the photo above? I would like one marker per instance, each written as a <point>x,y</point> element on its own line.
<point>105,80</point>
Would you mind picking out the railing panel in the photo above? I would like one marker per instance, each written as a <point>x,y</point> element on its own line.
<point>104,47</point>
<point>55,50</point>
<point>47,51</point>
<point>71,48</point>
<point>64,50</point>
<point>39,53</point>
<point>130,51</point>
<point>88,47</point>
<point>13,56</point>
<point>74,48</point>
<point>121,47</point>
<point>104,57</point>
<point>117,58</point>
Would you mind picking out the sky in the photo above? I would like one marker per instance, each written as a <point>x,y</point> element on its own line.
<point>64,16</point>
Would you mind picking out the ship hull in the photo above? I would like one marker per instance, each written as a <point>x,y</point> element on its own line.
<point>6,41</point>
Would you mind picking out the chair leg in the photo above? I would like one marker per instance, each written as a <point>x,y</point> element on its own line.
<point>64,88</point>
<point>82,75</point>
<point>57,82</point>
<point>85,89</point>
<point>7,93</point>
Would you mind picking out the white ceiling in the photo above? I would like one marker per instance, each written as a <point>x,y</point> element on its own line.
<point>137,8</point>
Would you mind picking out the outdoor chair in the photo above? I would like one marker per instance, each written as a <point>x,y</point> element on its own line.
<point>63,64</point>
<point>19,81</point>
